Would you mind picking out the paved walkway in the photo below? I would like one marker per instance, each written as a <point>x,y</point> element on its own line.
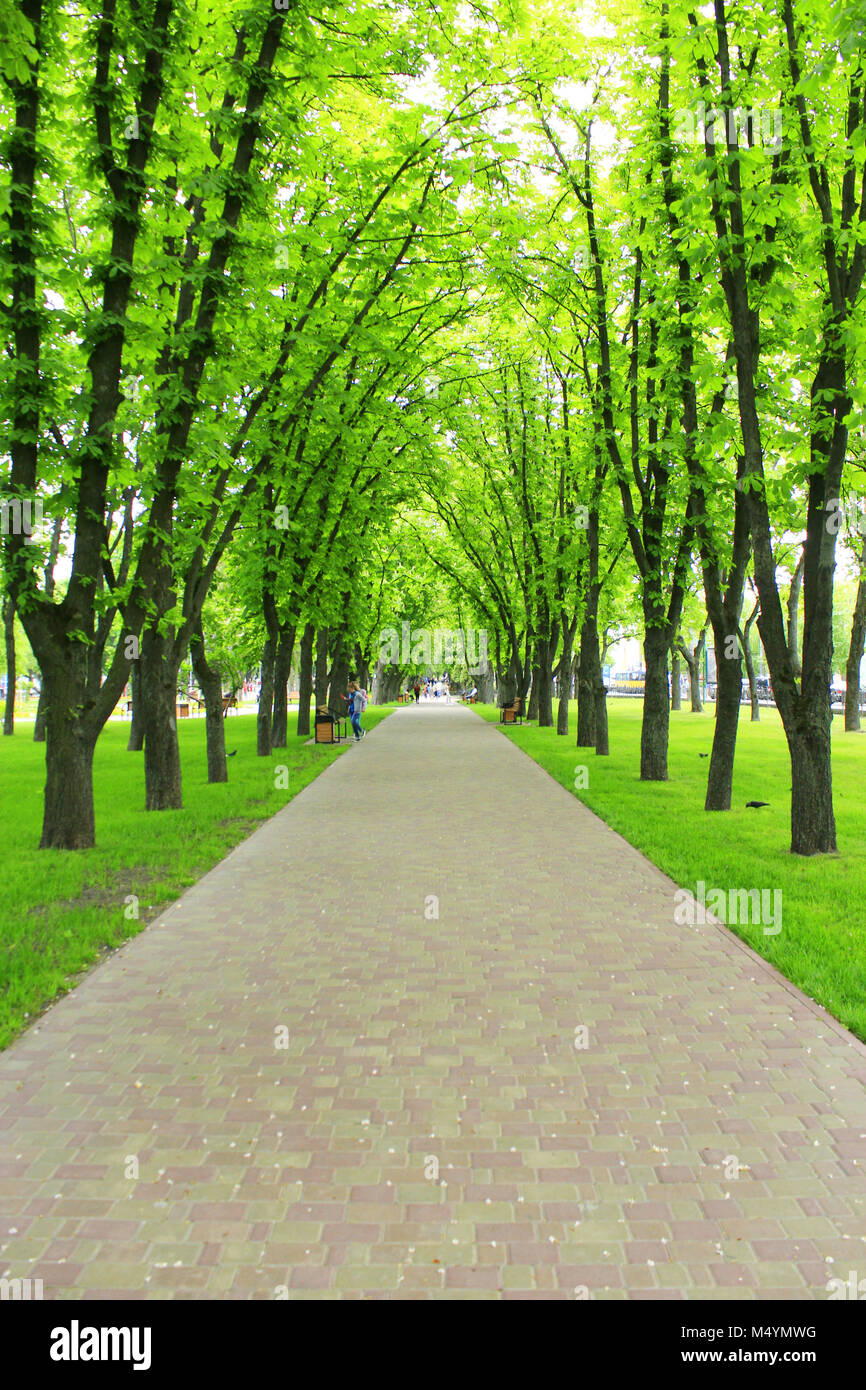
<point>429,923</point>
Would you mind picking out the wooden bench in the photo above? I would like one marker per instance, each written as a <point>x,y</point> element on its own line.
<point>511,714</point>
<point>469,699</point>
<point>229,702</point>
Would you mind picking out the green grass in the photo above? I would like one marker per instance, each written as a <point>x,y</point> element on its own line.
<point>61,911</point>
<point>822,944</point>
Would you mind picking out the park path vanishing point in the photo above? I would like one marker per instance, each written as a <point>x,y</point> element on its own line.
<point>417,1043</point>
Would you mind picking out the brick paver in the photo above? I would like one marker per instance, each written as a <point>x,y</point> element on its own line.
<point>425,927</point>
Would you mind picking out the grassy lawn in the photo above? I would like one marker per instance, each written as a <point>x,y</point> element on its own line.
<point>61,911</point>
<point>822,944</point>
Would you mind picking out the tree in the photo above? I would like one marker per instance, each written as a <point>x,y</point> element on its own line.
<point>69,635</point>
<point>804,706</point>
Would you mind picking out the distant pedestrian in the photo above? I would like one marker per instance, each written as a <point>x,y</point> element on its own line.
<point>417,691</point>
<point>357,705</point>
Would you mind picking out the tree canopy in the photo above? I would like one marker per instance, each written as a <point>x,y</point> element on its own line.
<point>525,318</point>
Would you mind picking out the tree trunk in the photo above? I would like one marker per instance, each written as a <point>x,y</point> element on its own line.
<point>805,712</point>
<point>602,744</point>
<point>362,669</point>
<point>656,707</point>
<point>855,653</point>
<point>305,681</point>
<point>390,682</point>
<point>266,698</point>
<point>813,825</point>
<point>532,710</point>
<point>545,685</point>
<point>513,679</point>
<point>39,724</point>
<point>750,663</point>
<point>794,612</point>
<point>282,667</point>
<point>693,660</point>
<point>676,691</point>
<point>136,725</point>
<point>695,676</point>
<point>729,685</point>
<point>264,730</point>
<point>691,668</point>
<point>565,664</point>
<point>507,685</point>
<point>585,683</point>
<point>321,667</point>
<point>339,680</point>
<point>159,667</point>
<point>486,684</point>
<point>11,672</point>
<point>211,683</point>
<point>54,549</point>
<point>68,820</point>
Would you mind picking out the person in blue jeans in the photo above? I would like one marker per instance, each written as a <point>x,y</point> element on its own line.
<point>357,705</point>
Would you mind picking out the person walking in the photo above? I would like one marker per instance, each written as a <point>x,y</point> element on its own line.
<point>357,705</point>
<point>417,691</point>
